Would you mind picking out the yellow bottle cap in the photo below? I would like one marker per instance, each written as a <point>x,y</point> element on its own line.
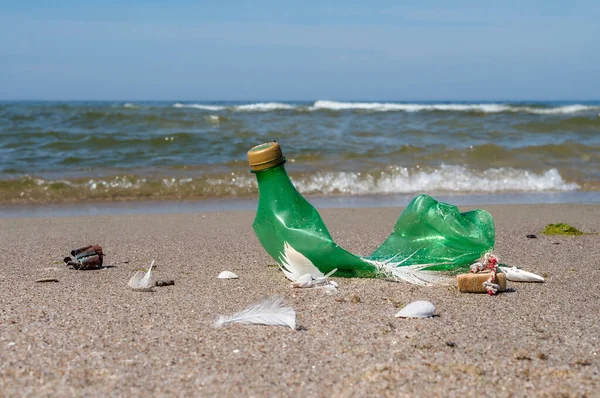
<point>265,156</point>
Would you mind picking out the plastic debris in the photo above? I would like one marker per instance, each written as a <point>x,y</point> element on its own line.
<point>86,258</point>
<point>428,236</point>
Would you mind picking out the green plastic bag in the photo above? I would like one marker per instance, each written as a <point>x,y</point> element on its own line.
<point>428,236</point>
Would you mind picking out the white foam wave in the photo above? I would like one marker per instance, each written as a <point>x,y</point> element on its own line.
<point>199,106</point>
<point>254,107</point>
<point>559,110</point>
<point>484,108</point>
<point>117,182</point>
<point>263,107</point>
<point>387,107</point>
<point>446,179</point>
<point>215,119</point>
<point>130,105</point>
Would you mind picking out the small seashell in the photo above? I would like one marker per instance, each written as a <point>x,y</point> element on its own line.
<point>518,275</point>
<point>305,280</point>
<point>417,309</point>
<point>227,275</point>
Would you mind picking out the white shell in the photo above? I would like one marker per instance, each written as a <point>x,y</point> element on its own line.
<point>305,280</point>
<point>417,309</point>
<point>227,275</point>
<point>518,275</point>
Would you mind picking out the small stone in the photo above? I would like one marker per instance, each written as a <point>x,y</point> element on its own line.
<point>542,356</point>
<point>451,344</point>
<point>45,280</point>
<point>168,282</point>
<point>522,355</point>
<point>582,362</point>
<point>532,236</point>
<point>355,299</point>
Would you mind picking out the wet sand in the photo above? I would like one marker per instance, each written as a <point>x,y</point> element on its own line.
<point>89,334</point>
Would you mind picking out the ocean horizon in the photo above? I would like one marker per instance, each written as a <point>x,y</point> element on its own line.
<point>56,152</point>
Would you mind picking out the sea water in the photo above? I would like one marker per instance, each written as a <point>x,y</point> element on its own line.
<point>349,152</point>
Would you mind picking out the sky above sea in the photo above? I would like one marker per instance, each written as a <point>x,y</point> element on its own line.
<point>275,50</point>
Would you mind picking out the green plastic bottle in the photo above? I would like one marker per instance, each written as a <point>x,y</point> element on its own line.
<point>432,235</point>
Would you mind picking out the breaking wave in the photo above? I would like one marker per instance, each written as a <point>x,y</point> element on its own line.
<point>395,180</point>
<point>264,107</point>
<point>200,106</point>
<point>483,108</point>
<point>390,107</point>
<point>455,179</point>
<point>257,107</point>
<point>323,105</point>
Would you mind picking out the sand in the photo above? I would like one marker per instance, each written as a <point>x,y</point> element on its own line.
<point>90,335</point>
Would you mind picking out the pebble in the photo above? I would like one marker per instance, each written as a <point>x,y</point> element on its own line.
<point>168,282</point>
<point>44,280</point>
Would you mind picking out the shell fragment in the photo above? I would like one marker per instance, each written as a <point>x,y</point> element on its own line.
<point>518,275</point>
<point>227,275</point>
<point>417,309</point>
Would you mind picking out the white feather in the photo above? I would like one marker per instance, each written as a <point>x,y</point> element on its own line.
<point>269,312</point>
<point>141,280</point>
<point>305,280</point>
<point>294,264</point>
<point>518,275</point>
<point>411,273</point>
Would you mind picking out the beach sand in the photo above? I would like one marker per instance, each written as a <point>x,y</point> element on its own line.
<point>89,334</point>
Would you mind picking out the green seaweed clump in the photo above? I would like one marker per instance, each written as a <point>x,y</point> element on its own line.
<point>561,229</point>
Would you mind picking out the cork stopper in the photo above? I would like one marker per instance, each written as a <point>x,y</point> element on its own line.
<point>265,156</point>
<point>473,283</point>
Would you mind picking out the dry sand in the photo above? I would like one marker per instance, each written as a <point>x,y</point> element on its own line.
<point>90,335</point>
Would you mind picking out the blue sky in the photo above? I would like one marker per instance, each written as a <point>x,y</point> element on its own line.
<point>300,50</point>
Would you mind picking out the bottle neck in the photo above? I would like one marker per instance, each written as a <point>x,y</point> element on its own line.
<point>275,177</point>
